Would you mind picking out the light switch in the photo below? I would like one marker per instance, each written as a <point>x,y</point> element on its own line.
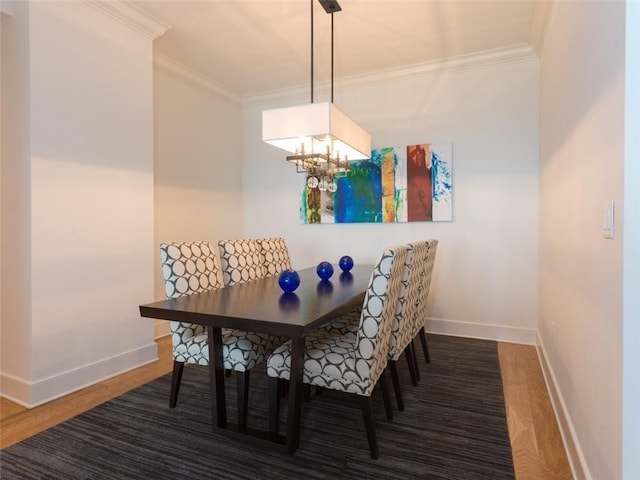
<point>608,221</point>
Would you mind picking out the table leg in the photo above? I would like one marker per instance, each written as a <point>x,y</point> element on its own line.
<point>216,378</point>
<point>295,394</point>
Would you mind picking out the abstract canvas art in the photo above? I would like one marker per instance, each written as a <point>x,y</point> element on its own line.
<point>410,183</point>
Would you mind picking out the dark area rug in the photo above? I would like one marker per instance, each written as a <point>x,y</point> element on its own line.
<point>453,428</point>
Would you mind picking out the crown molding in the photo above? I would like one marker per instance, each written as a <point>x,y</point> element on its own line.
<point>131,16</point>
<point>454,64</point>
<point>484,59</point>
<point>539,26</point>
<point>192,77</point>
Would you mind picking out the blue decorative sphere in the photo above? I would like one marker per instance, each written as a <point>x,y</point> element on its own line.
<point>346,263</point>
<point>289,280</point>
<point>324,270</point>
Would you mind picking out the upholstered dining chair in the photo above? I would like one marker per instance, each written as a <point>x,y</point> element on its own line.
<point>242,261</point>
<point>275,255</point>
<point>402,332</point>
<point>425,275</point>
<point>194,267</point>
<point>345,362</point>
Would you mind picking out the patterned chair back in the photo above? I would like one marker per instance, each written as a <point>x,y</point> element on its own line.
<point>241,261</point>
<point>403,323</point>
<point>275,254</point>
<point>424,281</point>
<point>188,268</point>
<point>378,310</point>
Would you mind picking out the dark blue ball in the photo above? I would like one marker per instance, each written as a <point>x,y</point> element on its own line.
<point>324,270</point>
<point>289,280</point>
<point>346,263</point>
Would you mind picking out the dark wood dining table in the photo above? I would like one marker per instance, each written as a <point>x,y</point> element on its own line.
<point>261,306</point>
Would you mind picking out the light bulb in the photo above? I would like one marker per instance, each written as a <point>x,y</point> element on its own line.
<point>312,182</point>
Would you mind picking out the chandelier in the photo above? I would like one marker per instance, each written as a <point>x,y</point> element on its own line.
<point>319,136</point>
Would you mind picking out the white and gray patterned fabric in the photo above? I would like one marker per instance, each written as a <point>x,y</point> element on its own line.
<point>275,254</point>
<point>402,332</point>
<point>187,268</point>
<point>193,267</point>
<point>241,261</point>
<point>347,323</point>
<point>352,362</point>
<point>412,302</point>
<point>424,276</point>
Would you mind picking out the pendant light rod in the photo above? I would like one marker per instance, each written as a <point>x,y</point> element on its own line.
<point>332,56</point>
<point>311,3</point>
<point>330,6</point>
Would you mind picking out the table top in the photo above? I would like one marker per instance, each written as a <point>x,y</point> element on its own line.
<point>261,306</point>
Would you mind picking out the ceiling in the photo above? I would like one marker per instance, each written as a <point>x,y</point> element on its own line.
<point>252,47</point>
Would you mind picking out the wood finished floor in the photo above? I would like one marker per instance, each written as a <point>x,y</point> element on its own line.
<point>538,452</point>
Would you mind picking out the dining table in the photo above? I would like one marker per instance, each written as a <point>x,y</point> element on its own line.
<point>261,306</point>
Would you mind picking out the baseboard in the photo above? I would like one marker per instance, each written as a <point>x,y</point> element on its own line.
<point>32,394</point>
<point>575,454</point>
<point>15,389</point>
<point>499,333</point>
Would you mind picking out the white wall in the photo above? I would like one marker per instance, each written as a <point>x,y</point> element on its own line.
<point>631,275</point>
<point>485,282</point>
<point>197,169</point>
<point>581,168</point>
<point>89,180</point>
<point>15,318</point>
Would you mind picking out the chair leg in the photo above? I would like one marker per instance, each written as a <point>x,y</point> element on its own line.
<point>395,380</point>
<point>367,413</point>
<point>275,390</point>
<point>242,385</point>
<point>176,378</point>
<point>412,366</point>
<point>414,357</point>
<point>425,347</point>
<point>382,382</point>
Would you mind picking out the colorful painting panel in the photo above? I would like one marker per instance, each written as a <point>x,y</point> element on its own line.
<point>419,184</point>
<point>359,195</point>
<point>441,168</point>
<point>388,180</point>
<point>398,184</point>
<point>400,157</point>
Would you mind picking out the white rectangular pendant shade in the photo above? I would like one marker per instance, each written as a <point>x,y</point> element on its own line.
<point>314,125</point>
